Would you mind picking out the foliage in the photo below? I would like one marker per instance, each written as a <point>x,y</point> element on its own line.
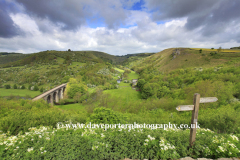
<point>23,87</point>
<point>7,86</point>
<point>106,116</point>
<point>74,87</point>
<point>119,143</point>
<point>14,86</point>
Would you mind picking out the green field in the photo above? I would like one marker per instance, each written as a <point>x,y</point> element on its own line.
<point>132,75</point>
<point>76,106</point>
<point>18,92</point>
<point>125,93</point>
<point>120,70</point>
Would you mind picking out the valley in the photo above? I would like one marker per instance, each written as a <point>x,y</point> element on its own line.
<point>165,80</point>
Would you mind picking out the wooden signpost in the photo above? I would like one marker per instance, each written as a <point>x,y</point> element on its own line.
<point>194,108</point>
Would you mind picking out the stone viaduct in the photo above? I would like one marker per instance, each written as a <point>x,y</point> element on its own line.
<point>53,95</point>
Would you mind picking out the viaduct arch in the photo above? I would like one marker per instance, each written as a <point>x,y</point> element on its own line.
<point>53,95</point>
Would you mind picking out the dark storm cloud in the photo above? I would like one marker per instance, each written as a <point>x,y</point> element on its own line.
<point>214,16</point>
<point>71,14</point>
<point>7,27</point>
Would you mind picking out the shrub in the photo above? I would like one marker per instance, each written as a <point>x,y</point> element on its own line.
<point>14,86</point>
<point>23,87</point>
<point>74,86</point>
<point>35,88</point>
<point>106,116</point>
<point>41,89</point>
<point>7,86</point>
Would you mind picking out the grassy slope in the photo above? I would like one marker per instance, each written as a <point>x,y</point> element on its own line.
<point>125,93</point>
<point>18,92</point>
<point>11,57</point>
<point>189,58</point>
<point>76,106</point>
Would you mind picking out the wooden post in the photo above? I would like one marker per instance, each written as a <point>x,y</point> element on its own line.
<point>194,108</point>
<point>193,130</point>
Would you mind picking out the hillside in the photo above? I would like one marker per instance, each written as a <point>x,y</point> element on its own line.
<point>6,57</point>
<point>182,58</point>
<point>56,57</point>
<point>53,57</point>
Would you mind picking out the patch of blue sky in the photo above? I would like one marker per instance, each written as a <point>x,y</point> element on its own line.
<point>161,22</point>
<point>127,26</point>
<point>95,22</point>
<point>138,5</point>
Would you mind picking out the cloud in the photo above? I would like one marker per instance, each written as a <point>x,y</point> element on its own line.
<point>72,14</point>
<point>117,27</point>
<point>7,27</point>
<point>213,16</point>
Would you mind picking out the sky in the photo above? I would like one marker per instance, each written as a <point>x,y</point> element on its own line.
<point>117,27</point>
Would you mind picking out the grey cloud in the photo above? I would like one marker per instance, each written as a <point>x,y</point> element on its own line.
<point>7,27</point>
<point>213,16</point>
<point>71,14</point>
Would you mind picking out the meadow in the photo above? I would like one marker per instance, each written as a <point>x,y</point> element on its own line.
<point>18,92</point>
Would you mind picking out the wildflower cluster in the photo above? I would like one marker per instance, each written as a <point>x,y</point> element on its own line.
<point>99,144</point>
<point>226,146</point>
<point>14,143</point>
<point>88,132</point>
<point>165,146</point>
<point>149,138</point>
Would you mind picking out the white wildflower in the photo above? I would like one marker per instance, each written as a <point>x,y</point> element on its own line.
<point>30,149</point>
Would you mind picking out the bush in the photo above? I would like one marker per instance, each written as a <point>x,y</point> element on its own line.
<point>14,86</point>
<point>106,116</point>
<point>25,114</point>
<point>74,86</point>
<point>41,89</point>
<point>7,86</point>
<point>23,87</point>
<point>35,88</point>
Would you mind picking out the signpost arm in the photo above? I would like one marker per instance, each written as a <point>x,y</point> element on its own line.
<point>193,130</point>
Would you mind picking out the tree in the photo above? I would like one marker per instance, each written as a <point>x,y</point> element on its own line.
<point>35,88</point>
<point>69,50</point>
<point>14,86</point>
<point>141,83</point>
<point>219,49</point>
<point>147,91</point>
<point>7,86</point>
<point>74,87</point>
<point>23,87</point>
<point>200,51</point>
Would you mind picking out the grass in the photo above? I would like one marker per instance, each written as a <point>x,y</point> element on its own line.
<point>18,92</point>
<point>76,106</point>
<point>125,93</point>
<point>223,50</point>
<point>122,84</point>
<point>91,90</point>
<point>132,75</point>
<point>189,58</point>
<point>120,70</point>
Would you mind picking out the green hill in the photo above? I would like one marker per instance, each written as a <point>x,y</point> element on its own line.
<point>6,57</point>
<point>53,57</point>
<point>182,58</point>
<point>56,57</point>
